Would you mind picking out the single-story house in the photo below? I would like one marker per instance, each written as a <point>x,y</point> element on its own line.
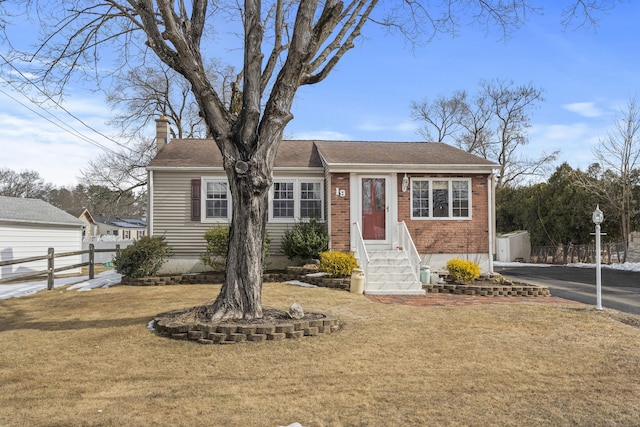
<point>29,227</point>
<point>120,228</point>
<point>397,206</point>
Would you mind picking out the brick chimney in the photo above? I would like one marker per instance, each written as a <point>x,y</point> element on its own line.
<point>162,133</point>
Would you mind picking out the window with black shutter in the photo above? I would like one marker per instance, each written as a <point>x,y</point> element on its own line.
<point>195,199</point>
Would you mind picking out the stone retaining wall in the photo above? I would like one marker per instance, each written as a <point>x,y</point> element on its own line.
<point>293,273</point>
<point>489,290</point>
<point>230,333</point>
<point>299,273</point>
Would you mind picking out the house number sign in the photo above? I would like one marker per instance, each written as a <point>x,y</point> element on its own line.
<point>341,193</point>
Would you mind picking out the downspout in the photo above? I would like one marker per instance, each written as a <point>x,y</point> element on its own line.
<point>150,203</point>
<point>490,214</point>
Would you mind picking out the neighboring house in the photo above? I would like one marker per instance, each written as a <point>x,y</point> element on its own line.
<point>120,228</point>
<point>377,198</point>
<point>29,227</point>
<point>90,227</point>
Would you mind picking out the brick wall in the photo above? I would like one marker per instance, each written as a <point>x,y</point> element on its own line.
<point>340,218</point>
<point>450,235</point>
<point>430,236</point>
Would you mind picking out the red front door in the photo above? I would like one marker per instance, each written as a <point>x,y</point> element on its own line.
<point>373,209</point>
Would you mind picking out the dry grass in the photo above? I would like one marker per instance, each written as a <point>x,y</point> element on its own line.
<point>87,358</point>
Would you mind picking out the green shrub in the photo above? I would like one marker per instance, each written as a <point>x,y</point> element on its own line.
<point>143,258</point>
<point>217,240</point>
<point>463,271</point>
<point>337,264</point>
<point>305,240</point>
<point>217,246</point>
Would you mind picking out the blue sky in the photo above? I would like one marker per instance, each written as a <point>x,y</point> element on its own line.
<point>587,76</point>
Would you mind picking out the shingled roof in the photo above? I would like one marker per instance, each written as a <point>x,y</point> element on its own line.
<point>16,209</point>
<point>197,153</point>
<point>395,153</point>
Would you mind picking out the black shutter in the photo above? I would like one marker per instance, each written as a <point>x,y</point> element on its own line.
<point>195,199</point>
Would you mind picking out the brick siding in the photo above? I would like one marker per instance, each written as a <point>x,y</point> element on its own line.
<point>340,216</point>
<point>449,235</point>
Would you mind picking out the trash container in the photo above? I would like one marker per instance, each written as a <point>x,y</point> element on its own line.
<point>425,275</point>
<point>357,281</point>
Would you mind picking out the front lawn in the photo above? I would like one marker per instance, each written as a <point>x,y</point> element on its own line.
<point>87,358</point>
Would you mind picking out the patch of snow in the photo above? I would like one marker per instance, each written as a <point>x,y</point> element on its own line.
<point>104,280</point>
<point>627,266</point>
<point>319,274</point>
<point>518,264</point>
<point>303,284</point>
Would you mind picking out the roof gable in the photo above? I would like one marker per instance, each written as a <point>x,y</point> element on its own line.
<point>18,209</point>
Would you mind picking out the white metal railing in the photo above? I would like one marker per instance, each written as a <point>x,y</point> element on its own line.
<point>360,250</point>
<point>406,243</point>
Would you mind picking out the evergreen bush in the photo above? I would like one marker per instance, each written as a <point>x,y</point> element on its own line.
<point>217,247</point>
<point>143,258</point>
<point>305,241</point>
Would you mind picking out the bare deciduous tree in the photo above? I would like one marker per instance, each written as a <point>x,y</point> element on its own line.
<point>619,153</point>
<point>26,184</point>
<point>141,95</point>
<point>285,45</point>
<point>444,115</point>
<point>493,125</point>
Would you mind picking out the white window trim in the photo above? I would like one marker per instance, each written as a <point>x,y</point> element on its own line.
<point>296,199</point>
<point>450,189</point>
<point>203,201</point>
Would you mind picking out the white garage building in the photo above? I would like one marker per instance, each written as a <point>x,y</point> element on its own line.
<point>29,227</point>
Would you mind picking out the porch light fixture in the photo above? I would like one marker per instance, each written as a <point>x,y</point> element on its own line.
<point>405,183</point>
<point>598,217</point>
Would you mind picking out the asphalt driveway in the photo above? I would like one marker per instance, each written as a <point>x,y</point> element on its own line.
<point>620,289</point>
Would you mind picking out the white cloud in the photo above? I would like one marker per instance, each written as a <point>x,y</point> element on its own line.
<point>586,109</point>
<point>405,126</point>
<point>322,135</point>
<point>573,140</point>
<point>31,142</point>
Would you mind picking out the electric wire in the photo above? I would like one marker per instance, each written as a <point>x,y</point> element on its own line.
<point>63,124</point>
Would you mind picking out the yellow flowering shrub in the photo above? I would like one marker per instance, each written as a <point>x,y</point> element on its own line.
<point>463,271</point>
<point>337,264</point>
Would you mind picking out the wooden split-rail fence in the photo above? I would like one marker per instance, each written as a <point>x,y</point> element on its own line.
<point>51,256</point>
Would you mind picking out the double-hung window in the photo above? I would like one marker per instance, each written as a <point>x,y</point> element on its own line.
<point>283,199</point>
<point>290,200</point>
<point>311,200</point>
<point>216,200</point>
<point>293,199</point>
<point>440,198</point>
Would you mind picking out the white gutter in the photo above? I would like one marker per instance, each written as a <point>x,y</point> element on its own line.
<point>448,169</point>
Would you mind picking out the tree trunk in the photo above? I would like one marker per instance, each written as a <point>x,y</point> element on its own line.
<point>241,293</point>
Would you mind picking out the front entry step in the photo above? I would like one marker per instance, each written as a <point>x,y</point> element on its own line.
<point>390,273</point>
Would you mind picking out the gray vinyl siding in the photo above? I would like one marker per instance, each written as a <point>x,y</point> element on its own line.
<point>172,213</point>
